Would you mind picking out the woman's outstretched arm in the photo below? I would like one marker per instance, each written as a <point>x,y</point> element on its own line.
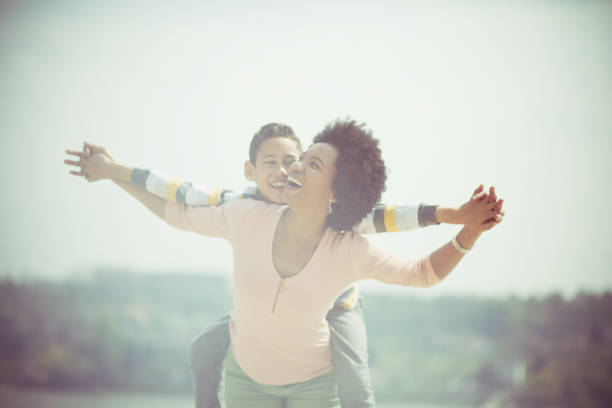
<point>485,214</point>
<point>96,164</point>
<point>373,262</point>
<point>444,259</point>
<point>155,204</point>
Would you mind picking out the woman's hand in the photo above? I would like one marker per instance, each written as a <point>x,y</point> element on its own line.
<point>93,162</point>
<point>482,212</point>
<point>93,149</point>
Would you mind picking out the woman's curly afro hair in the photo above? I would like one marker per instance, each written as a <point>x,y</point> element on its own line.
<point>360,172</point>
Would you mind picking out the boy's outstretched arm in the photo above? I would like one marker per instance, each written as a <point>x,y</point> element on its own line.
<point>384,218</point>
<point>179,191</point>
<point>396,218</point>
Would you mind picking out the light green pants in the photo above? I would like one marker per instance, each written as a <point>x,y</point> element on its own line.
<point>242,392</point>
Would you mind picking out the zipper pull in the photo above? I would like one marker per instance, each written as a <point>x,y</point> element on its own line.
<point>279,290</point>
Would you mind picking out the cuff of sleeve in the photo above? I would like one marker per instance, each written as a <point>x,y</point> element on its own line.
<point>427,215</point>
<point>139,177</point>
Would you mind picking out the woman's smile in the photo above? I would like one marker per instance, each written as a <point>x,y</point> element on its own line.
<point>293,184</point>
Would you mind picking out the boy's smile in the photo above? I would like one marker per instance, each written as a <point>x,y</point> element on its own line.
<point>274,157</point>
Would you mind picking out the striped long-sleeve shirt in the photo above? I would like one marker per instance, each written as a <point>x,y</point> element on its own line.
<point>383,218</point>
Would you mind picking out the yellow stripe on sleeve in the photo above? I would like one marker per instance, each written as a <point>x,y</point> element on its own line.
<point>171,189</point>
<point>390,222</point>
<point>214,197</point>
<point>349,302</point>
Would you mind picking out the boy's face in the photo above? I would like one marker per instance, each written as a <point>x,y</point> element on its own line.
<point>269,171</point>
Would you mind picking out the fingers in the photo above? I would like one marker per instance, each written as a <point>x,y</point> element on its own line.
<point>81,173</point>
<point>73,163</point>
<point>497,208</point>
<point>81,164</point>
<point>490,197</point>
<point>88,149</point>
<point>491,222</point>
<point>498,205</point>
<point>492,194</point>
<point>476,195</point>
<point>76,153</point>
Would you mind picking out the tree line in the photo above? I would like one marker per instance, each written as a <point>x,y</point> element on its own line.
<point>120,331</point>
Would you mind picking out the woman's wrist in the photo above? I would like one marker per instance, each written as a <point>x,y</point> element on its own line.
<point>467,237</point>
<point>118,172</point>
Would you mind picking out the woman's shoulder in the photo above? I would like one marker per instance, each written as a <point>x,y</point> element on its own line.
<point>350,241</point>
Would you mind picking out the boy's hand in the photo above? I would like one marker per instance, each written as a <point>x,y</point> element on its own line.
<point>93,162</point>
<point>482,212</point>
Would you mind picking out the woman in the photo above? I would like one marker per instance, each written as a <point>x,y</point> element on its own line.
<point>291,262</point>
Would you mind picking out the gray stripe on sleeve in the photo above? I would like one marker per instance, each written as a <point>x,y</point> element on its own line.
<point>224,195</point>
<point>252,192</point>
<point>181,192</point>
<point>427,215</point>
<point>139,177</point>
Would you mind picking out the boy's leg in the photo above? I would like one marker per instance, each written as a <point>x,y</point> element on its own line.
<point>350,351</point>
<point>206,358</point>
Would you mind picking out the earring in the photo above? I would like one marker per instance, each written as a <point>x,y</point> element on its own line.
<point>329,206</point>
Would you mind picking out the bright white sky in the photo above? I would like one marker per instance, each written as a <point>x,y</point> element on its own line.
<point>517,94</point>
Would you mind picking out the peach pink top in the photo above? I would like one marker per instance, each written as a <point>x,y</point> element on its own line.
<point>278,329</point>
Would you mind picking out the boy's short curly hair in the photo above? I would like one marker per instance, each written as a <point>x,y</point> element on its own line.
<point>360,172</point>
<point>269,131</point>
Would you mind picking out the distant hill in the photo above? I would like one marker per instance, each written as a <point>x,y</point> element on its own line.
<point>124,331</point>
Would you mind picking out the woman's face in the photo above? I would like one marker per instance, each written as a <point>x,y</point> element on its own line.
<point>310,179</point>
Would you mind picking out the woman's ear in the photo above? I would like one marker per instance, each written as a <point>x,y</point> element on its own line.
<point>249,170</point>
